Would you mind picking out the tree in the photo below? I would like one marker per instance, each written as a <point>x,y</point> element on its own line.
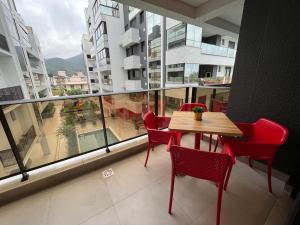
<point>74,91</point>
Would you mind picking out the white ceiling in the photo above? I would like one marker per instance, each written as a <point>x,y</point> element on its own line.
<point>214,16</point>
<point>194,3</point>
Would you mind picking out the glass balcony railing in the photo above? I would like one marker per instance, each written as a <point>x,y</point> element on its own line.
<point>36,133</point>
<point>217,50</point>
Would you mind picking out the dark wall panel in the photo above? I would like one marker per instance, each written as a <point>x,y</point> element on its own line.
<point>266,80</point>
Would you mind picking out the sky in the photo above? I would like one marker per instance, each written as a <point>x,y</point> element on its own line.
<point>59,24</point>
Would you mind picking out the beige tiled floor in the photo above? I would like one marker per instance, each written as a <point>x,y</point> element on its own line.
<point>136,195</point>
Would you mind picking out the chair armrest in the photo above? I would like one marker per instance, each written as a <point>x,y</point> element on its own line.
<point>228,151</point>
<point>159,136</point>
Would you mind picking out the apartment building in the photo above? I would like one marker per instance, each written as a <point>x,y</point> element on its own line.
<point>134,41</point>
<point>23,75</point>
<point>105,26</point>
<point>76,81</point>
<point>192,55</point>
<point>23,61</point>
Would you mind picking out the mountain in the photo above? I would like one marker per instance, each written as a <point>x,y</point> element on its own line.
<point>71,65</point>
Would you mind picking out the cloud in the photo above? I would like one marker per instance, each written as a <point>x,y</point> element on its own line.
<point>59,24</point>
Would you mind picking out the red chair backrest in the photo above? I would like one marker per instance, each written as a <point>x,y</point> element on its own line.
<point>190,106</point>
<point>150,121</point>
<point>204,165</point>
<point>268,131</point>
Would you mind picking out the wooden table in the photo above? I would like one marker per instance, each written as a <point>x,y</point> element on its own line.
<point>211,123</point>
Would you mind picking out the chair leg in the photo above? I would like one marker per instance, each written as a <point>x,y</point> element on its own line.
<point>270,175</point>
<point>178,139</point>
<point>171,193</point>
<point>216,146</point>
<point>148,152</point>
<point>219,204</point>
<point>227,177</point>
<point>250,162</point>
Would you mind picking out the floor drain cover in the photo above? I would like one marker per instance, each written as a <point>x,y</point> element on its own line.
<point>107,173</point>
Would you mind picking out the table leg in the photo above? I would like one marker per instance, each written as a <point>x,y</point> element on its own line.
<point>210,140</point>
<point>197,140</point>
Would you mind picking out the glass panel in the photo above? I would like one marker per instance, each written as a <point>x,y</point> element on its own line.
<point>50,131</point>
<point>173,100</point>
<point>124,115</point>
<point>8,163</point>
<point>175,74</point>
<point>204,96</point>
<point>220,102</point>
<point>217,50</point>
<point>191,73</point>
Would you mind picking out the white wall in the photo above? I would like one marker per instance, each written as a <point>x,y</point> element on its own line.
<point>115,30</point>
<point>186,54</point>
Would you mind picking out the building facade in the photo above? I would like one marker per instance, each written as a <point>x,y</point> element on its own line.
<point>105,26</point>
<point>23,75</point>
<point>76,81</point>
<point>191,55</point>
<point>22,58</point>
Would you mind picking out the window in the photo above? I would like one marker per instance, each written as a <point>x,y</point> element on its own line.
<point>191,73</point>
<point>193,36</point>
<point>144,73</point>
<point>142,14</point>
<point>129,51</point>
<point>176,36</point>
<point>175,73</point>
<point>223,42</point>
<point>107,7</point>
<point>103,56</point>
<point>219,68</point>
<point>126,27</point>
<point>142,46</point>
<point>99,32</point>
<point>231,44</point>
<point>133,22</point>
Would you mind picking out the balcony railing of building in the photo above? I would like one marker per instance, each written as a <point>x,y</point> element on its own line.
<point>210,49</point>
<point>71,126</point>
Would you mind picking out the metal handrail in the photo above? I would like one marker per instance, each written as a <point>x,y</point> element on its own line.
<point>23,101</point>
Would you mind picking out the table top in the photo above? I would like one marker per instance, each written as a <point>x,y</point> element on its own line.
<point>211,123</point>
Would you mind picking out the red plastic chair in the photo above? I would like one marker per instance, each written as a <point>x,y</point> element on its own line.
<point>156,136</point>
<point>203,165</point>
<point>260,141</point>
<point>189,107</point>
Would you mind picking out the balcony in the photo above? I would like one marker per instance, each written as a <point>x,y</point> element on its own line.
<point>130,37</point>
<point>217,50</point>
<point>132,62</point>
<point>131,85</point>
<point>123,193</point>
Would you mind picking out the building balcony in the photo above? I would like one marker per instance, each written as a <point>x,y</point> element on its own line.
<point>113,187</point>
<point>130,37</point>
<point>132,62</point>
<point>193,55</point>
<point>217,50</point>
<point>131,85</point>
